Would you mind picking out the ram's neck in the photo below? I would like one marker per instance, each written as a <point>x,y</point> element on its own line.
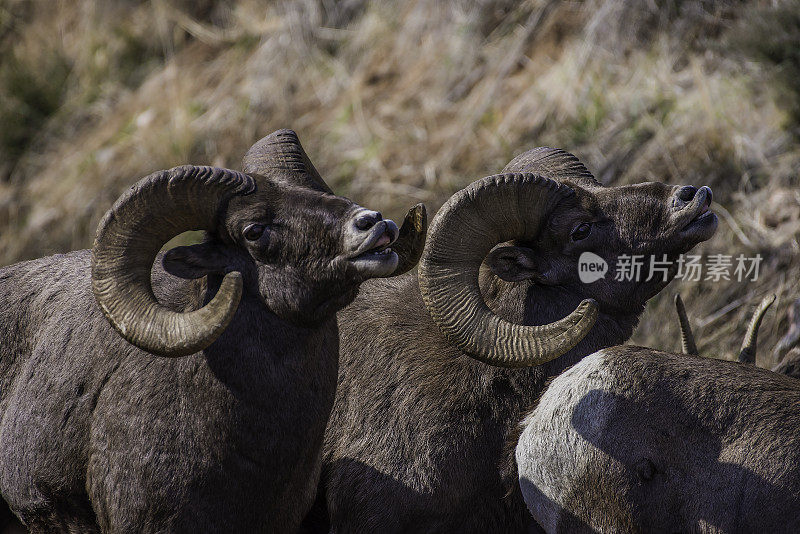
<point>259,357</point>
<point>264,391</point>
<point>530,304</point>
<point>257,341</point>
<point>269,383</point>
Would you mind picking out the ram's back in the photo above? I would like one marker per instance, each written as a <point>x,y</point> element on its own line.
<point>636,439</point>
<point>43,304</point>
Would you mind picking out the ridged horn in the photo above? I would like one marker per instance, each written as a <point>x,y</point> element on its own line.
<point>411,241</point>
<point>130,236</point>
<point>748,352</point>
<point>281,150</point>
<point>552,163</point>
<point>688,346</point>
<point>493,210</point>
<point>792,336</point>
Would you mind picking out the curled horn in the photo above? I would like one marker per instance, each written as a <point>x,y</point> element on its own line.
<point>130,236</point>
<point>748,352</point>
<point>493,210</point>
<point>688,346</point>
<point>553,163</point>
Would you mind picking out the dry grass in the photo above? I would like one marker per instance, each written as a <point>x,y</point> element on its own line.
<point>400,103</point>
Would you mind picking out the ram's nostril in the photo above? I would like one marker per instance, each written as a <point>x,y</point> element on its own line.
<point>687,193</point>
<point>368,219</point>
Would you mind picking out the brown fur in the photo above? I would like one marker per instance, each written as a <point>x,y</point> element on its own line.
<point>418,428</point>
<point>96,434</point>
<point>637,440</point>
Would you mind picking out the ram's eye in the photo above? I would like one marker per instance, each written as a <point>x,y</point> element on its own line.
<point>254,231</point>
<point>581,232</point>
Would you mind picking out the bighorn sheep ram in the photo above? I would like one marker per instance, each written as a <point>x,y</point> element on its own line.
<point>418,426</point>
<point>101,433</point>
<point>637,440</point>
<point>651,436</point>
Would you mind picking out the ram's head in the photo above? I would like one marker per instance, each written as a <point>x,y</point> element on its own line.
<point>531,225</point>
<point>276,231</point>
<point>630,227</point>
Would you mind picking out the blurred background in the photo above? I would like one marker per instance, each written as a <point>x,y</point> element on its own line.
<point>398,103</point>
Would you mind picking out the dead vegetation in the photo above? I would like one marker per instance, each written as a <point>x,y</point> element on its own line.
<point>406,102</point>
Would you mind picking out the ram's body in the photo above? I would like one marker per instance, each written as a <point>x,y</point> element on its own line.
<point>222,431</point>
<point>637,440</point>
<point>416,435</point>
<point>415,441</point>
<point>88,418</point>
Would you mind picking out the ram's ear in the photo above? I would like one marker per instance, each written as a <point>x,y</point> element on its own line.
<point>196,261</point>
<point>512,264</point>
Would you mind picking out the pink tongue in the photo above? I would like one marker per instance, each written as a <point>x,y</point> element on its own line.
<point>383,240</point>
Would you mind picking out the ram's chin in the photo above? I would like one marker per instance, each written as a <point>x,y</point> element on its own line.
<point>700,229</point>
<point>375,264</point>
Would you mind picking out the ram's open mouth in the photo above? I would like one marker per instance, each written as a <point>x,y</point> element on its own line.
<point>704,213</point>
<point>703,216</point>
<point>380,248</point>
<point>374,257</point>
<point>377,245</point>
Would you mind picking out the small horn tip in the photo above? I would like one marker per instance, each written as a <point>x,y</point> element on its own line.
<point>588,304</point>
<point>590,309</point>
<point>418,216</point>
<point>234,277</point>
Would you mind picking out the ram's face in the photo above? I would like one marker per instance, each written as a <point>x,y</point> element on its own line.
<point>310,249</point>
<point>652,218</point>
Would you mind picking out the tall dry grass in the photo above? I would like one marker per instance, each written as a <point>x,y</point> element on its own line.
<point>404,102</point>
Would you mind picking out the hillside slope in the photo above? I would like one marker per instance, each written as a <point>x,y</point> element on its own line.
<point>400,103</point>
